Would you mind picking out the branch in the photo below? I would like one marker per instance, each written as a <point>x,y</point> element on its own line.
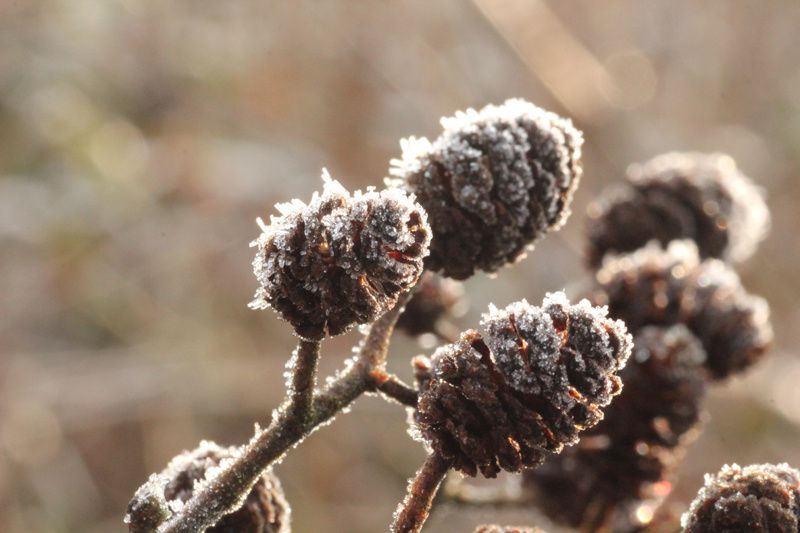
<point>303,368</point>
<point>413,511</point>
<point>220,495</point>
<point>392,387</point>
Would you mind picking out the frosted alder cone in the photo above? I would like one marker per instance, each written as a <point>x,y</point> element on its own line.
<point>630,456</point>
<point>702,197</point>
<point>492,183</point>
<point>653,286</point>
<point>434,298</point>
<point>341,259</point>
<point>761,498</point>
<point>264,510</point>
<point>523,390</point>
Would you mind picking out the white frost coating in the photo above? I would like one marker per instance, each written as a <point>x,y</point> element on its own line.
<point>526,343</point>
<point>376,238</point>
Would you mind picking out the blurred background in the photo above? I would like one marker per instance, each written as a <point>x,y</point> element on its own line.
<point>140,140</point>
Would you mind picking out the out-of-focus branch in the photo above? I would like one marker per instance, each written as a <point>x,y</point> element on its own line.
<point>568,70</point>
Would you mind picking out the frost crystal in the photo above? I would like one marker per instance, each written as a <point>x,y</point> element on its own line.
<point>340,260</point>
<point>493,182</point>
<point>702,197</point>
<point>653,286</point>
<point>761,498</point>
<point>538,377</point>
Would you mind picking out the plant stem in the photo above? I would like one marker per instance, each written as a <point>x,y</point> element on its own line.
<point>304,380</point>
<point>392,387</point>
<point>413,511</point>
<point>220,495</point>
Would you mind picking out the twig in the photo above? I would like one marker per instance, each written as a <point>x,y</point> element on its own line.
<point>413,511</point>
<point>390,386</point>
<point>303,368</point>
<point>220,495</point>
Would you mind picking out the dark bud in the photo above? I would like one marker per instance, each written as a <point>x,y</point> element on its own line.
<point>525,389</point>
<point>493,182</point>
<point>341,260</point>
<point>148,508</point>
<point>628,459</point>
<point>758,499</point>
<point>265,509</point>
<point>702,197</point>
<point>653,286</point>
<point>434,298</point>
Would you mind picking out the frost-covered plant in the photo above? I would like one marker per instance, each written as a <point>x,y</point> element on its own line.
<point>693,324</point>
<point>526,386</point>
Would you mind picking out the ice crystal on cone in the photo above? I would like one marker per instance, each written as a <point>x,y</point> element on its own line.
<point>702,197</point>
<point>525,389</point>
<point>341,259</point>
<point>761,498</point>
<point>493,182</point>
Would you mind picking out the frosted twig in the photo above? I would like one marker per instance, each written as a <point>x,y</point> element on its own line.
<point>413,511</point>
<point>224,492</point>
<point>303,380</point>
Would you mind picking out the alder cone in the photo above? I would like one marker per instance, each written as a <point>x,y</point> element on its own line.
<point>626,457</point>
<point>653,286</point>
<point>702,197</point>
<point>538,377</point>
<point>761,498</point>
<point>341,260</point>
<point>265,510</point>
<point>493,182</point>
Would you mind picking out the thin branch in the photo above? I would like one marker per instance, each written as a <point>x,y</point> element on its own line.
<point>392,387</point>
<point>413,511</point>
<point>303,366</point>
<point>220,495</point>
